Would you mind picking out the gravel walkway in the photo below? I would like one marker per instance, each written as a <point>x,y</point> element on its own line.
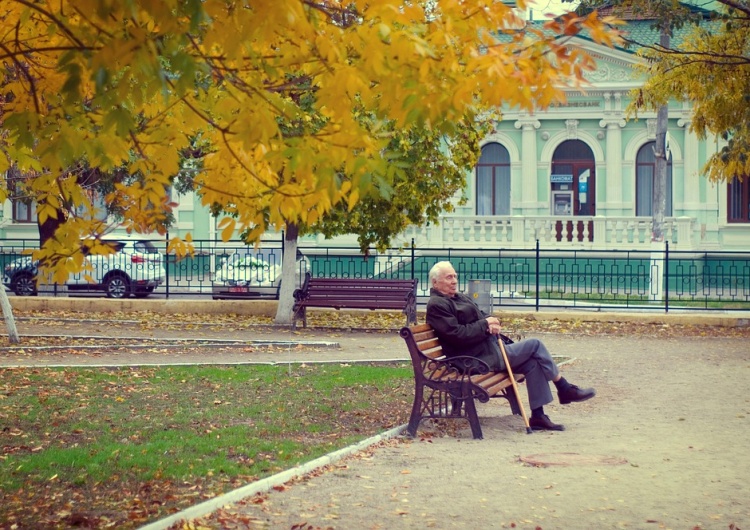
<point>663,445</point>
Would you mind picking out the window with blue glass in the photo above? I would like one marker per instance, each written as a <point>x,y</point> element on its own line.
<point>493,181</point>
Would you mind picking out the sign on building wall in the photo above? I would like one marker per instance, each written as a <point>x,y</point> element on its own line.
<point>560,178</point>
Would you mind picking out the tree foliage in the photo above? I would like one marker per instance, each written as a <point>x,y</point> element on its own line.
<point>709,67</point>
<point>129,84</point>
<point>425,172</point>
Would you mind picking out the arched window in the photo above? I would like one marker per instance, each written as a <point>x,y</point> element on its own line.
<point>645,169</point>
<point>493,181</point>
<point>738,201</point>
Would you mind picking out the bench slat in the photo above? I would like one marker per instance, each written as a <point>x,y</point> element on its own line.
<point>430,344</point>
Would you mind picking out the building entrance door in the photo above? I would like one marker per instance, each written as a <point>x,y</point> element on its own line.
<point>573,190</point>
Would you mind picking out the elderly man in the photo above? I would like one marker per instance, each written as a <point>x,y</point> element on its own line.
<point>463,329</point>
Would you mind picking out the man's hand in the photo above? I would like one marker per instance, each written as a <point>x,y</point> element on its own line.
<point>494,325</point>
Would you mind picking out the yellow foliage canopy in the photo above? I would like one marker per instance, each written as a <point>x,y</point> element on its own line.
<point>128,82</point>
<point>710,69</point>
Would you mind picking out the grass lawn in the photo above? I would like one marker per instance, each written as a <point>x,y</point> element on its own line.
<point>103,447</point>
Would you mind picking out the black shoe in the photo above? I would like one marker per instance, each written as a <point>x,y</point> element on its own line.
<point>543,423</point>
<point>573,393</point>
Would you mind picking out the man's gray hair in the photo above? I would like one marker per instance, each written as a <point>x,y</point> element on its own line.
<point>436,269</point>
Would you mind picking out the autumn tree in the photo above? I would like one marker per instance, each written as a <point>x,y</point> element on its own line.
<point>127,84</point>
<point>710,68</point>
<point>425,171</point>
<point>666,17</point>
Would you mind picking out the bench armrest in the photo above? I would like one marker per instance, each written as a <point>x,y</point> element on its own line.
<point>453,368</point>
<point>301,293</point>
<point>468,365</point>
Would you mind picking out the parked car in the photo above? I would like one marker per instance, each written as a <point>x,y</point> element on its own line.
<point>254,275</point>
<point>136,268</point>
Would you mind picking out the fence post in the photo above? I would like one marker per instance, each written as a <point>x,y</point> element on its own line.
<point>666,277</point>
<point>412,258</point>
<point>166,268</point>
<point>537,276</point>
<point>656,275</point>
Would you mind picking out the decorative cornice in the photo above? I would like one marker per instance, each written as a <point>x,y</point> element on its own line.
<point>527,122</point>
<point>612,121</point>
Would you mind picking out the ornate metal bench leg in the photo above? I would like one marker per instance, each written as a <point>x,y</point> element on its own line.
<point>455,409</point>
<point>513,402</point>
<point>416,411</point>
<point>471,414</point>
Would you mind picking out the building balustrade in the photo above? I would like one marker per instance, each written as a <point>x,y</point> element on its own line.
<point>580,232</point>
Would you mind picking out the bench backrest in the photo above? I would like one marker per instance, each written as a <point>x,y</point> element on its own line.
<point>359,292</point>
<point>424,346</point>
<point>334,285</point>
<point>421,339</point>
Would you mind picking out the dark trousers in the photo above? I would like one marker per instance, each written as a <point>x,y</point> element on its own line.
<point>531,358</point>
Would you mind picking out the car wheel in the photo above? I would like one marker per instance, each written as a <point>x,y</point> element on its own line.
<point>24,284</point>
<point>117,286</point>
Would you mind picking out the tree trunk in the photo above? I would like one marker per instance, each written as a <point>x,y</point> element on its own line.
<point>288,277</point>
<point>50,225</point>
<point>659,202</point>
<point>10,322</point>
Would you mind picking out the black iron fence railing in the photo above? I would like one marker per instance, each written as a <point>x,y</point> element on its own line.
<point>659,279</point>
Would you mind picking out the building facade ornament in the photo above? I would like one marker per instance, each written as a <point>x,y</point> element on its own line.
<point>608,72</point>
<point>572,128</point>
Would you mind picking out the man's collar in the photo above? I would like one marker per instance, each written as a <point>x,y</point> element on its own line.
<point>435,291</point>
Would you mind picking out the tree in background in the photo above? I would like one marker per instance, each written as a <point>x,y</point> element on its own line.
<point>127,84</point>
<point>666,16</point>
<point>425,171</point>
<point>710,68</point>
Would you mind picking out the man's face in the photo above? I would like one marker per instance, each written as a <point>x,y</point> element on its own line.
<point>447,282</point>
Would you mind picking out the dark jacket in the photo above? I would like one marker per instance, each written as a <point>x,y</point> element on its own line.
<point>462,328</point>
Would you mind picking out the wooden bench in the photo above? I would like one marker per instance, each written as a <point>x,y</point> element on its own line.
<point>356,293</point>
<point>447,388</point>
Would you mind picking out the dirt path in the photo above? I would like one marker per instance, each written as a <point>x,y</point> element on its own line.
<point>663,445</point>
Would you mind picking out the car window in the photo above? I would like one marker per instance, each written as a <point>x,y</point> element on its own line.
<point>145,247</point>
<point>251,262</point>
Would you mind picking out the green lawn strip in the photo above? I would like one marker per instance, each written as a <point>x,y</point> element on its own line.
<point>124,446</point>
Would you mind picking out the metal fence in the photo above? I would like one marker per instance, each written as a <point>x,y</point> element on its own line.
<point>658,280</point>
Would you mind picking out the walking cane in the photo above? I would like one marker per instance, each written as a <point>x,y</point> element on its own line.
<point>514,385</point>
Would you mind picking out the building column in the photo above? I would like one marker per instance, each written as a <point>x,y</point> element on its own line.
<point>691,167</point>
<point>529,177</point>
<point>613,121</point>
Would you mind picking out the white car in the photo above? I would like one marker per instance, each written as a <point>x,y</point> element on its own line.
<point>248,276</point>
<point>136,268</point>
